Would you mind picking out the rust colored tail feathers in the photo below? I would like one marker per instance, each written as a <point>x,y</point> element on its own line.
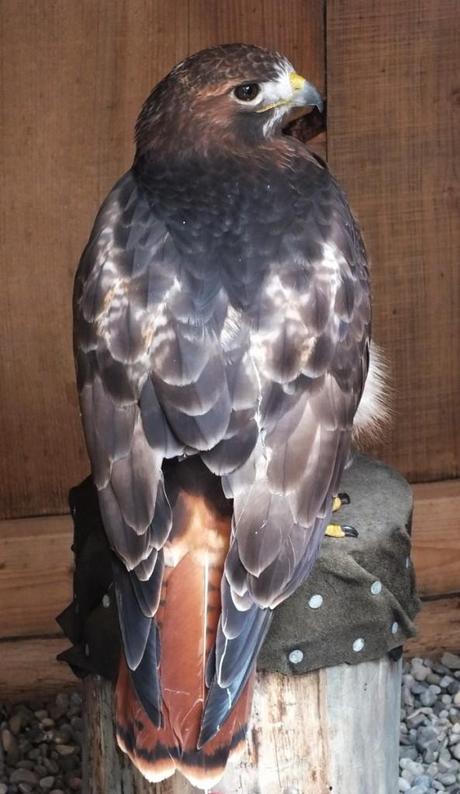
<point>187,621</point>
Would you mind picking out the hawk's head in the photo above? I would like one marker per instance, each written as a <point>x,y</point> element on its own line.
<point>234,91</point>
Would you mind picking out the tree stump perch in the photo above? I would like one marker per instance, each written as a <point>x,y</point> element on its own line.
<point>330,731</point>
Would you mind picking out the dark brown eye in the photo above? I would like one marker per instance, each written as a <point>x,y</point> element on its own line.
<point>246,92</point>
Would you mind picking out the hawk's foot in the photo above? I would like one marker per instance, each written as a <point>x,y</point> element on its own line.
<point>341,531</point>
<point>339,500</point>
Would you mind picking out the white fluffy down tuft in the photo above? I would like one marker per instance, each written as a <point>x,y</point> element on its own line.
<point>374,410</point>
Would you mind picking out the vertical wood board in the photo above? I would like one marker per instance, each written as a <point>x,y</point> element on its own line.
<point>74,77</point>
<point>393,141</point>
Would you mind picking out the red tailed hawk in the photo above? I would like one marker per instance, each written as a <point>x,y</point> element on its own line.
<point>222,332</point>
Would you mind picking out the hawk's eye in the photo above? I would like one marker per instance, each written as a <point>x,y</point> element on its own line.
<point>246,92</point>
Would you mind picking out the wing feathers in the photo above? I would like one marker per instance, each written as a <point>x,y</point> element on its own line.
<point>135,480</point>
<point>256,369</point>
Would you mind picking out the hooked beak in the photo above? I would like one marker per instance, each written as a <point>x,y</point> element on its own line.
<point>304,93</point>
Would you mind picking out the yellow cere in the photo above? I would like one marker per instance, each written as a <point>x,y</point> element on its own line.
<point>297,81</point>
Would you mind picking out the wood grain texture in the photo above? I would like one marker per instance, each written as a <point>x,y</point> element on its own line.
<point>74,77</point>
<point>303,732</point>
<point>363,701</point>
<point>438,626</point>
<point>436,537</point>
<point>29,668</point>
<point>392,77</point>
<point>36,565</point>
<point>293,27</point>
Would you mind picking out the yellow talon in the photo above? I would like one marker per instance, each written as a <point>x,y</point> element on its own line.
<point>336,504</point>
<point>335,530</point>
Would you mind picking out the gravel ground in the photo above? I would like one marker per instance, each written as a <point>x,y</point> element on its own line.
<point>430,726</point>
<point>40,748</point>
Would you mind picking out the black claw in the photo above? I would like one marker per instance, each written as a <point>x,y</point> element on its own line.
<point>350,532</point>
<point>344,498</point>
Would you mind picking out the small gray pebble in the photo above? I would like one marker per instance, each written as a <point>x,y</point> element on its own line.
<point>65,749</point>
<point>15,723</point>
<point>447,778</point>
<point>455,750</point>
<point>440,668</point>
<point>416,719</point>
<point>3,788</point>
<point>433,678</point>
<point>430,755</point>
<point>62,700</point>
<point>429,697</point>
<point>438,707</point>
<point>425,735</point>
<point>51,765</point>
<point>408,752</point>
<point>420,673</point>
<point>47,783</point>
<point>422,780</point>
<point>407,697</point>
<point>451,660</point>
<point>76,699</point>
<point>9,742</point>
<point>26,763</point>
<point>23,776</point>
<point>62,735</point>
<point>403,785</point>
<point>418,689</point>
<point>416,768</point>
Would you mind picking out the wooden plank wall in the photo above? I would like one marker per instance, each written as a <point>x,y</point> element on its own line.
<point>74,77</point>
<point>393,95</point>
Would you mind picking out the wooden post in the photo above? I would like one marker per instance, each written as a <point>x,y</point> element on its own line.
<point>331,730</point>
